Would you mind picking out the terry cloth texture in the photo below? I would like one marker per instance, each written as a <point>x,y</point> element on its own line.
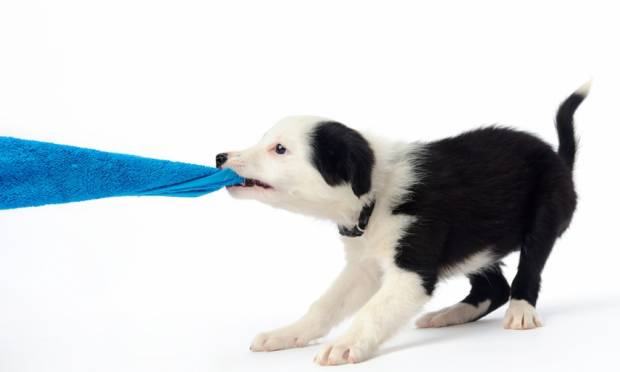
<point>36,173</point>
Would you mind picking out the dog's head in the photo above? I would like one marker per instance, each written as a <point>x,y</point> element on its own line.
<point>305,164</point>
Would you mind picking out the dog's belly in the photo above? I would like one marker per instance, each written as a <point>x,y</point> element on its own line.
<point>469,265</point>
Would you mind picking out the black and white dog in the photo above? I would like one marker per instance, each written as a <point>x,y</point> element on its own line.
<point>411,214</point>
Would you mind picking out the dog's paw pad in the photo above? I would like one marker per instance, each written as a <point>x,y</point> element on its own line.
<point>521,315</point>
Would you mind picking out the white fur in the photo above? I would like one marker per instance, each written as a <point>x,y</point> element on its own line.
<point>470,265</point>
<point>456,314</point>
<point>521,315</point>
<point>584,89</point>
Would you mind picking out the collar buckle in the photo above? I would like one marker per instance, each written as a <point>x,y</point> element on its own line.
<point>362,223</point>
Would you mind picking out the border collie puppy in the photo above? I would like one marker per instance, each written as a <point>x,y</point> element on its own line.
<point>410,214</point>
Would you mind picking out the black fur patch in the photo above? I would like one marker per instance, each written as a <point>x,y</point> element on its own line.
<point>489,284</point>
<point>342,155</point>
<point>492,188</point>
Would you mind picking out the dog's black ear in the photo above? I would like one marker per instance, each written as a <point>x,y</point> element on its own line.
<point>342,155</point>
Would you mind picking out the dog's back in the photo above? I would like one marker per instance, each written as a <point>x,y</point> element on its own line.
<point>481,189</point>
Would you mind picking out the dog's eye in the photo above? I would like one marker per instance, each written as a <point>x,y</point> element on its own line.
<point>280,149</point>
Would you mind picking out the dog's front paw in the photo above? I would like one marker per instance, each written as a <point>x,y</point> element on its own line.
<point>343,351</point>
<point>285,338</point>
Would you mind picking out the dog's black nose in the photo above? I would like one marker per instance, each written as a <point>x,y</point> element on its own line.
<point>220,159</point>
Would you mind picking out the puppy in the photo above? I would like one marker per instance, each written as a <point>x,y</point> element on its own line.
<point>410,214</point>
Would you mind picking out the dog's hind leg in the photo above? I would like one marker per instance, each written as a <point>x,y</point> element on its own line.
<point>550,219</point>
<point>521,313</point>
<point>489,290</point>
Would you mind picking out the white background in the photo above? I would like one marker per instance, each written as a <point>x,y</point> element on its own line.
<point>156,284</point>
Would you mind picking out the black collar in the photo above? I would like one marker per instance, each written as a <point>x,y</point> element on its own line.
<point>362,222</point>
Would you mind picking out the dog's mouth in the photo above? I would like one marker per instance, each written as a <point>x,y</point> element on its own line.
<point>250,182</point>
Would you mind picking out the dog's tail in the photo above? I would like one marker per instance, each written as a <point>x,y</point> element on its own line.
<point>565,126</point>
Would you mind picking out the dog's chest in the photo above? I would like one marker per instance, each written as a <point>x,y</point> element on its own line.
<point>381,237</point>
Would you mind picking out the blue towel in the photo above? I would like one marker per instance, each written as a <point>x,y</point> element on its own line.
<point>37,173</point>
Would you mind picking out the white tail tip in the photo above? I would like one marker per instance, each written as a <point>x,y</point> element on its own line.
<point>584,89</point>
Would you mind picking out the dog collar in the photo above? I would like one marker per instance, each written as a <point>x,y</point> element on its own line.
<point>362,222</point>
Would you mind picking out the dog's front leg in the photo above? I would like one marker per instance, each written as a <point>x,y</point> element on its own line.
<point>401,295</point>
<point>354,286</point>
